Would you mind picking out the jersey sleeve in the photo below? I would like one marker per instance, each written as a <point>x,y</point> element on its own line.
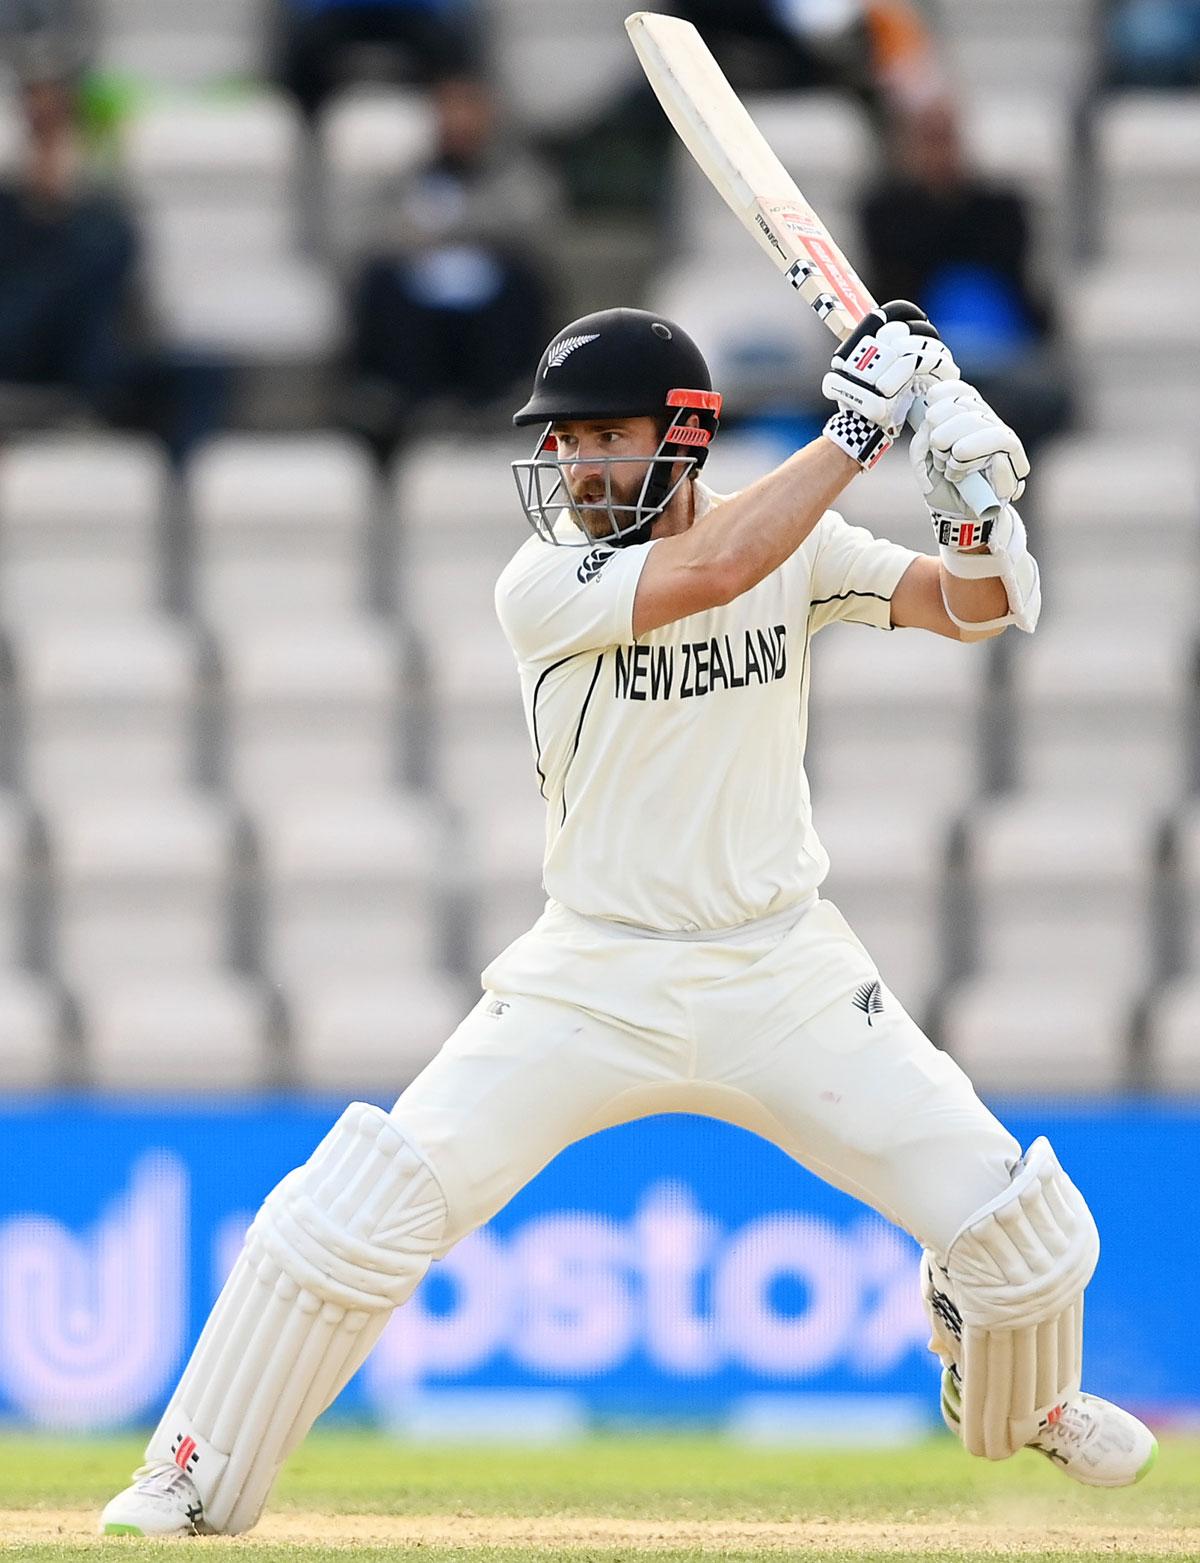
<point>553,602</point>
<point>854,574</point>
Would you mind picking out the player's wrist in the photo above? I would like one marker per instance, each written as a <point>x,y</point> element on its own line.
<point>857,437</point>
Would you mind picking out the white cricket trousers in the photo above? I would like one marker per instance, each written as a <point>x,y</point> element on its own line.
<point>776,1028</point>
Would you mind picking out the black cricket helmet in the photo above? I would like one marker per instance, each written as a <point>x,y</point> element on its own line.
<point>617,363</point>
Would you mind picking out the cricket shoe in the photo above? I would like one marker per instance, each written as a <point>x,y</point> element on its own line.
<point>1096,1442</point>
<point>1089,1439</point>
<point>162,1501</point>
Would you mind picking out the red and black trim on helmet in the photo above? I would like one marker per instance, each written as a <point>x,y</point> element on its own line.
<point>683,438</point>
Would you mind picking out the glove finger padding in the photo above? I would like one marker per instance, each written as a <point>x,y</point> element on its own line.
<point>1001,475</point>
<point>960,434</point>
<point>878,372</point>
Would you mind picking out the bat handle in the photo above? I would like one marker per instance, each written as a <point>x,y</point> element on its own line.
<point>974,490</point>
<point>979,495</point>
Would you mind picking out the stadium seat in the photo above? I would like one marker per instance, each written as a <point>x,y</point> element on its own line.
<point>1147,149</point>
<point>217,183</point>
<point>888,879</point>
<point>312,709</point>
<point>368,138</point>
<point>449,502</point>
<point>547,87</point>
<point>1100,708</point>
<point>12,135</point>
<point>1186,860</point>
<point>175,43</point>
<point>1021,45</point>
<point>107,707</point>
<point>888,502</point>
<point>281,312</point>
<point>280,525</point>
<point>483,755</point>
<point>1147,382</point>
<point>31,1057</point>
<point>186,241</point>
<point>371,1035</point>
<point>1023,138</point>
<point>504,848</point>
<point>459,523</point>
<point>243,148</point>
<point>14,879</point>
<point>1040,1033</point>
<point>351,885</point>
<point>1091,490</point>
<point>896,719</point>
<point>739,459</point>
<point>140,884</point>
<point>175,1032</point>
<point>1173,1036</point>
<point>61,556</point>
<point>1063,888</point>
<point>1112,546</point>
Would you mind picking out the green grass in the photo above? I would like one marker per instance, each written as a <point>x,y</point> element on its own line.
<point>694,1481</point>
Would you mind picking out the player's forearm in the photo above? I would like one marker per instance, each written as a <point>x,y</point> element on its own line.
<point>974,601</point>
<point>748,536</point>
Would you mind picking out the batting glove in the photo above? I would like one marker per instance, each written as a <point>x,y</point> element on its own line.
<point>960,434</point>
<point>890,358</point>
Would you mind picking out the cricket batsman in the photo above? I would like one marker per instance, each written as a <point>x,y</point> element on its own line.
<point>686,961</point>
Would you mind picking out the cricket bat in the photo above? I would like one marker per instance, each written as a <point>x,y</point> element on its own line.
<point>713,123</point>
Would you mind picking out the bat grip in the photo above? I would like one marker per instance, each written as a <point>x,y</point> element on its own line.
<point>975,491</point>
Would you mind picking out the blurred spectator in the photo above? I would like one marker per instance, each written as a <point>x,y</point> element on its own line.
<point>880,49</point>
<point>68,317</point>
<point>764,44</point>
<point>325,43</point>
<point>1152,43</point>
<point>938,233</point>
<point>455,306</point>
<point>68,250</point>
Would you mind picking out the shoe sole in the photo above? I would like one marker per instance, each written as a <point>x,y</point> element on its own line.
<point>121,1530</point>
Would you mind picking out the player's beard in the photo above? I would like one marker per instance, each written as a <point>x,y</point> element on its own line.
<point>626,482</point>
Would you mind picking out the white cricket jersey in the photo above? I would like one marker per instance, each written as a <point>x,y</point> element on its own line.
<point>673,766</point>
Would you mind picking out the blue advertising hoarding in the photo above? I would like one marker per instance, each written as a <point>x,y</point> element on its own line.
<point>676,1268</point>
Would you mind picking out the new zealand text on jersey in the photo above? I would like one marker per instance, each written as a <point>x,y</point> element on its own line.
<point>697,667</point>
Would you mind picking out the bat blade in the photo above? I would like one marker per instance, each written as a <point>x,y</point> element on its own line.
<point>715,126</point>
<point>717,129</point>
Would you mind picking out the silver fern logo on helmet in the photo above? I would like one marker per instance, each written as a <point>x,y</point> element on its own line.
<point>566,347</point>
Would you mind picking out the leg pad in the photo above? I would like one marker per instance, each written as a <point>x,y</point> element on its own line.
<point>336,1246</point>
<point>1006,1305</point>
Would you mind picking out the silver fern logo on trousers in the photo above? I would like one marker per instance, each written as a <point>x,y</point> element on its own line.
<point>563,350</point>
<point>868,997</point>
